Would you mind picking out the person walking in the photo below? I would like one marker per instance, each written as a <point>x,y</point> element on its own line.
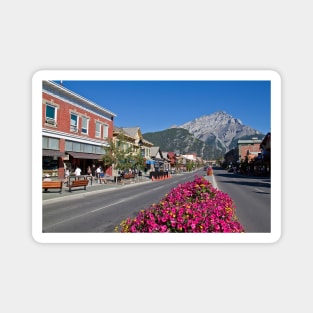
<point>67,177</point>
<point>98,171</point>
<point>93,171</point>
<point>102,177</point>
<point>78,171</point>
<point>89,173</point>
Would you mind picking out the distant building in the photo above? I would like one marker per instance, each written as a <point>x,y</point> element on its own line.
<point>157,163</point>
<point>133,140</point>
<point>248,149</point>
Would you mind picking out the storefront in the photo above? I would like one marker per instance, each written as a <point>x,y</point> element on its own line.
<point>149,166</point>
<point>52,163</point>
<point>83,160</point>
<point>55,162</point>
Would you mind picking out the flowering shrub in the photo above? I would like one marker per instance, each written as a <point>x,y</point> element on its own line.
<point>192,207</point>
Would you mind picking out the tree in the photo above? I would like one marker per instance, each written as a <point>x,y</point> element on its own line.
<point>116,155</point>
<point>189,165</point>
<point>138,161</point>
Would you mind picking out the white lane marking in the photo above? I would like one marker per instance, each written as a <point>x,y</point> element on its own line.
<point>99,209</point>
<point>259,190</point>
<point>89,212</point>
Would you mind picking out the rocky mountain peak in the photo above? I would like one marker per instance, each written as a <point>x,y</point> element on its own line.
<point>209,136</point>
<point>220,126</point>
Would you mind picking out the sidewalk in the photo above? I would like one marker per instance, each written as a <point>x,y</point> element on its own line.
<point>95,187</point>
<point>52,194</point>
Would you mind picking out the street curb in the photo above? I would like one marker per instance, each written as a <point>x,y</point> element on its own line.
<point>88,192</point>
<point>212,180</point>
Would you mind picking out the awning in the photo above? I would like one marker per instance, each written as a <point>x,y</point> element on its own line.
<point>52,153</point>
<point>90,156</point>
<point>150,162</point>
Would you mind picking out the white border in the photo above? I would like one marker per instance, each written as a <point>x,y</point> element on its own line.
<point>271,75</point>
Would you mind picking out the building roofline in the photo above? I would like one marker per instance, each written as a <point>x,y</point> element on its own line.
<point>56,87</point>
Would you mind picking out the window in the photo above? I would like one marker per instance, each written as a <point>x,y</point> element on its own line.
<point>98,129</point>
<point>82,147</point>
<point>50,143</point>
<point>87,148</point>
<point>105,131</point>
<point>74,123</point>
<point>50,114</point>
<point>84,125</point>
<point>99,150</point>
<point>76,147</point>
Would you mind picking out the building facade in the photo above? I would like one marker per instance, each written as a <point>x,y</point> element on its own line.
<point>248,149</point>
<point>134,142</point>
<point>74,131</point>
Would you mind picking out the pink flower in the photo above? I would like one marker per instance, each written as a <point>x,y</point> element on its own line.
<point>191,207</point>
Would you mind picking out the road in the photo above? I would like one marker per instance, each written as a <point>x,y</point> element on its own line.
<point>252,197</point>
<point>102,211</point>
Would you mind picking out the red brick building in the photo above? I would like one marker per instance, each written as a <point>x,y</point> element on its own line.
<point>74,131</point>
<point>248,149</point>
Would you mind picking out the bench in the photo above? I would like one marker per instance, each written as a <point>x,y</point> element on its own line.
<point>52,185</point>
<point>78,183</point>
<point>129,176</point>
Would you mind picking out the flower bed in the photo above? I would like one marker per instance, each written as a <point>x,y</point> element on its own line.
<point>192,207</point>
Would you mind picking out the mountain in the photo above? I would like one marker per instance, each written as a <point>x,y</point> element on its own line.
<point>179,139</point>
<point>216,134</point>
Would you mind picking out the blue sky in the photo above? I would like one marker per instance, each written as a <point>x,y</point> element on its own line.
<point>158,105</point>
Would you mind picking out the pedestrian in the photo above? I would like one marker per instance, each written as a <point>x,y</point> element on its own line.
<point>102,177</point>
<point>78,171</point>
<point>67,175</point>
<point>98,171</point>
<point>89,170</point>
<point>89,173</point>
<point>93,171</point>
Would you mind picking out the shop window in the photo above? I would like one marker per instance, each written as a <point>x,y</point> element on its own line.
<point>50,143</point>
<point>88,148</point>
<point>82,147</point>
<point>99,150</point>
<point>76,147</point>
<point>68,145</point>
<point>50,165</point>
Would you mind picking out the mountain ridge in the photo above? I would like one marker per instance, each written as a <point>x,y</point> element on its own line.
<point>217,133</point>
